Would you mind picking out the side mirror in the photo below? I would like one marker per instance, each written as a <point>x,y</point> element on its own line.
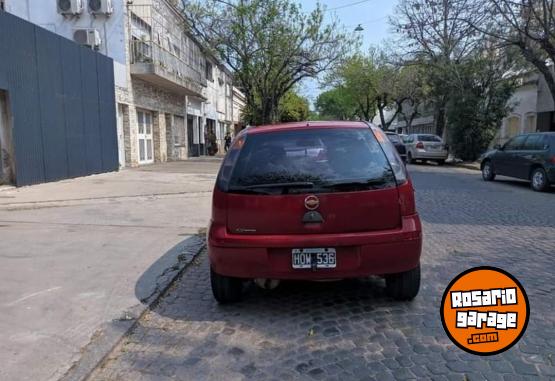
<point>497,146</point>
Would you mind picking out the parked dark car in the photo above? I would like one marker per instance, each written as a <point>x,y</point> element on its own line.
<point>529,157</point>
<point>399,145</point>
<point>313,201</point>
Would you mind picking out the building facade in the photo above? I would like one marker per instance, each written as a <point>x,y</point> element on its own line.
<point>239,103</point>
<point>57,106</point>
<point>171,95</point>
<point>532,109</point>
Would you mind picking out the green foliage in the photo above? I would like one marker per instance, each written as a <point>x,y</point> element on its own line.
<point>293,108</point>
<point>366,85</point>
<point>271,45</point>
<point>477,104</point>
<point>336,104</point>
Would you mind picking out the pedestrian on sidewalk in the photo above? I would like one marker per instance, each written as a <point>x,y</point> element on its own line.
<point>227,141</point>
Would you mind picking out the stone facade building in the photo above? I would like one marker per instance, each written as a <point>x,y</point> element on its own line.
<point>171,95</point>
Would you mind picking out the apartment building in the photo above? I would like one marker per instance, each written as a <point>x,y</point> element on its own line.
<point>219,104</point>
<point>239,103</point>
<point>170,93</point>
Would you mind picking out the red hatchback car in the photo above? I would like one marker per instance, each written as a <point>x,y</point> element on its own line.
<point>313,201</point>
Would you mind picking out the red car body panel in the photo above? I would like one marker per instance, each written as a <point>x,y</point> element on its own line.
<point>284,213</point>
<point>374,232</point>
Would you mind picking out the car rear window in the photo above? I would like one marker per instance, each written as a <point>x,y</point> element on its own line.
<point>394,138</point>
<point>429,138</point>
<point>318,157</point>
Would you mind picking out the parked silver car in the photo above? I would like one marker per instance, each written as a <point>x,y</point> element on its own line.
<point>426,147</point>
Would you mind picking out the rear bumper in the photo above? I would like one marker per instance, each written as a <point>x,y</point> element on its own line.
<point>441,155</point>
<point>358,254</point>
<point>550,170</point>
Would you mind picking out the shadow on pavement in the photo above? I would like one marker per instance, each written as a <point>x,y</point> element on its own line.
<point>161,273</point>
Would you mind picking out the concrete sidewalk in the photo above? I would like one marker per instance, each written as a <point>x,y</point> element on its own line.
<point>81,259</point>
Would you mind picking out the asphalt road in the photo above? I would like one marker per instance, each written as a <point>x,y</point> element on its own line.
<point>350,330</point>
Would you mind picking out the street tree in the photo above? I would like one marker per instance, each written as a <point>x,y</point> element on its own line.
<point>336,104</point>
<point>271,45</point>
<point>356,79</point>
<point>413,91</point>
<point>528,25</point>
<point>479,93</point>
<point>438,32</point>
<point>293,108</point>
<point>366,85</point>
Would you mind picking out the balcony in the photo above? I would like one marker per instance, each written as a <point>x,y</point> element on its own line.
<point>156,65</point>
<point>160,51</point>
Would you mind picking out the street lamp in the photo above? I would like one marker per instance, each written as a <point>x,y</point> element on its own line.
<point>359,28</point>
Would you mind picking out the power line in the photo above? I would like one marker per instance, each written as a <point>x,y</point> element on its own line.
<point>368,22</point>
<point>347,5</point>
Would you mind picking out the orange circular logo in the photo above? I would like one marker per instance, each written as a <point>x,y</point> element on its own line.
<point>485,311</point>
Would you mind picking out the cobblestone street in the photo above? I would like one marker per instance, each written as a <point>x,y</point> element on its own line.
<point>350,330</point>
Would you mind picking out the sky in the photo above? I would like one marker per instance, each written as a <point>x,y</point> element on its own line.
<point>372,14</point>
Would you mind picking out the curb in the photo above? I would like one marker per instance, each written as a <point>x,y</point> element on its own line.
<point>468,166</point>
<point>111,334</point>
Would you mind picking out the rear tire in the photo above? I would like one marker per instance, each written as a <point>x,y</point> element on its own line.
<point>539,180</point>
<point>487,171</point>
<point>226,289</point>
<point>440,162</point>
<point>403,286</point>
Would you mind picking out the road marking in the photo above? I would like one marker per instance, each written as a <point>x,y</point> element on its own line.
<point>31,296</point>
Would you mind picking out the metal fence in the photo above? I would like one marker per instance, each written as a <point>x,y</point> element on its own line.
<point>62,103</point>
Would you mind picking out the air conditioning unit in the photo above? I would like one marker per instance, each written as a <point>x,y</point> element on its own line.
<point>101,7</point>
<point>87,37</point>
<point>70,7</point>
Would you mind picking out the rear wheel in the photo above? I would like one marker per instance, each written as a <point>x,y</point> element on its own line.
<point>403,286</point>
<point>487,171</point>
<point>440,162</point>
<point>539,180</point>
<point>226,289</point>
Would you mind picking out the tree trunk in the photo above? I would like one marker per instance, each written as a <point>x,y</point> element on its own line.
<point>439,119</point>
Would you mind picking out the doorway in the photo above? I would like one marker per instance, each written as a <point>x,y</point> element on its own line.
<point>7,170</point>
<point>121,138</point>
<point>145,138</point>
<point>193,136</point>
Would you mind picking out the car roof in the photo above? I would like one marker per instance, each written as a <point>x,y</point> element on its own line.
<point>306,125</point>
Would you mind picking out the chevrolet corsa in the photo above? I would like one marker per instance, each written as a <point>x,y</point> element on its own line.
<point>313,201</point>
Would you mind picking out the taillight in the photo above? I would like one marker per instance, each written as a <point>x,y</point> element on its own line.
<point>420,145</point>
<point>407,204</point>
<point>224,177</point>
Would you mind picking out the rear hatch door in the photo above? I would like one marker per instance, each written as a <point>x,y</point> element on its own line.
<point>312,181</point>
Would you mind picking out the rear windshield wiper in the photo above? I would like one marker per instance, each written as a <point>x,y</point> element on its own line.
<point>371,183</point>
<point>303,184</point>
<point>259,188</point>
<point>243,190</point>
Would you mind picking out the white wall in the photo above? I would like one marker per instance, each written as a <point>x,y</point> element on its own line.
<point>112,29</point>
<point>545,100</point>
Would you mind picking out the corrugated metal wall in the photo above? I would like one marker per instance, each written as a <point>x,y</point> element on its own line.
<point>62,101</point>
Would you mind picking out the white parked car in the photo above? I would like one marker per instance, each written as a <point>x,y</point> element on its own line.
<point>426,147</point>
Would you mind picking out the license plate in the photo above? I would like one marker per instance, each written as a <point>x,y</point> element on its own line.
<point>314,259</point>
